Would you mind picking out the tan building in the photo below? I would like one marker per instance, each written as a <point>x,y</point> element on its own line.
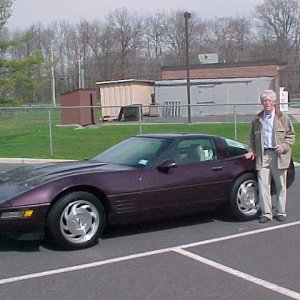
<point>116,94</point>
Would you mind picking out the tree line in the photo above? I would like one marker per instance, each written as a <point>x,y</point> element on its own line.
<point>125,45</point>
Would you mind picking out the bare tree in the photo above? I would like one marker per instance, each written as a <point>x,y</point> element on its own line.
<point>68,47</point>
<point>155,28</point>
<point>95,42</point>
<point>176,36</point>
<point>100,40</point>
<point>153,44</point>
<point>228,37</point>
<point>279,21</point>
<point>126,30</point>
<point>126,45</point>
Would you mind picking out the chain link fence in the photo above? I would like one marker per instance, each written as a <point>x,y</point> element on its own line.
<point>40,121</point>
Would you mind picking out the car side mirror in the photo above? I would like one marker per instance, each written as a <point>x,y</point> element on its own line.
<point>166,165</point>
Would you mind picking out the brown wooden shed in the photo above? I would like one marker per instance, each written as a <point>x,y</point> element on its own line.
<point>79,107</point>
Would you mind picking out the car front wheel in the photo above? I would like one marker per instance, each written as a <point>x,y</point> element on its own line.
<point>244,198</point>
<point>76,221</point>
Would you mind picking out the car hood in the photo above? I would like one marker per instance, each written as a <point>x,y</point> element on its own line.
<point>21,179</point>
<point>39,173</point>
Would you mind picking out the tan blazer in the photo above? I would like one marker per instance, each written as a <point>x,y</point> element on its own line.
<point>284,135</point>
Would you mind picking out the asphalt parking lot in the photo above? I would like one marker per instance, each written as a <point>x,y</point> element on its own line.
<point>199,257</point>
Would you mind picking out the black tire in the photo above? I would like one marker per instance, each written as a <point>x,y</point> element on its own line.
<point>76,221</point>
<point>243,201</point>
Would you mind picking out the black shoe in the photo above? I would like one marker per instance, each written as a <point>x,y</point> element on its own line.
<point>263,219</point>
<point>281,218</point>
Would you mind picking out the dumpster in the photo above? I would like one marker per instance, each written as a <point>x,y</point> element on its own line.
<point>130,112</point>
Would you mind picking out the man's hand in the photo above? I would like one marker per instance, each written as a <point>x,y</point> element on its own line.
<point>250,155</point>
<point>279,149</point>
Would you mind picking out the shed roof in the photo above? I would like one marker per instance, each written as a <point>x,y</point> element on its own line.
<point>125,81</point>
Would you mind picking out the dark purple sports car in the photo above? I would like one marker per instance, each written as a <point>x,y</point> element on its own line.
<point>145,177</point>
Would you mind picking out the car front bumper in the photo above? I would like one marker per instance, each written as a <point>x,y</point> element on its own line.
<point>24,223</point>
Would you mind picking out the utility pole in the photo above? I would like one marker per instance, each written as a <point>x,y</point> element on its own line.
<point>187,16</point>
<point>53,89</point>
<point>80,75</point>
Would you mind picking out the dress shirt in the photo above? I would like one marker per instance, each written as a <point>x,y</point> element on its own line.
<point>268,121</point>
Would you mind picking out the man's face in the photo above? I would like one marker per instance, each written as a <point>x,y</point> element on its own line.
<point>268,105</point>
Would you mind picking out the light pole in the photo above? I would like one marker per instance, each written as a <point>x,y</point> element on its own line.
<point>187,16</point>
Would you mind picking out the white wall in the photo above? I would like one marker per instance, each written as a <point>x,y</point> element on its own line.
<point>216,96</point>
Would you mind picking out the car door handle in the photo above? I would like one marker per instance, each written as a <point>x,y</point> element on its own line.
<point>219,168</point>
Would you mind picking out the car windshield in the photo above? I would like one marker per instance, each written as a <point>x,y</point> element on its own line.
<point>134,152</point>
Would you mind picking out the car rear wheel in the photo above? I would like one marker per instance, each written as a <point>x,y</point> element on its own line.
<point>76,221</point>
<point>244,198</point>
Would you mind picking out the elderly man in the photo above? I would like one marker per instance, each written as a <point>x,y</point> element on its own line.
<point>271,137</point>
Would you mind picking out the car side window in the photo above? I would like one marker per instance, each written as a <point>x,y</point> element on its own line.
<point>194,150</point>
<point>235,148</point>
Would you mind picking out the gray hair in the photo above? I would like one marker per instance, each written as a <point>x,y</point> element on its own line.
<point>268,94</point>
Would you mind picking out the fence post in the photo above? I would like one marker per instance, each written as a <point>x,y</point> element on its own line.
<point>140,117</point>
<point>235,122</point>
<point>50,132</point>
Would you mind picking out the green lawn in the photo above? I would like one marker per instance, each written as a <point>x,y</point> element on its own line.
<point>27,135</point>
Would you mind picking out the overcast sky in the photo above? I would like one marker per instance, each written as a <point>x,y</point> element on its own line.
<point>29,12</point>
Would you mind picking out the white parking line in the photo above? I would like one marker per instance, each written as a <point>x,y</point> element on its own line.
<point>239,274</point>
<point>178,249</point>
<point>83,266</point>
<point>238,235</point>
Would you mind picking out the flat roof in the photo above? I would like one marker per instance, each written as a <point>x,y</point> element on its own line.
<point>178,82</point>
<point>151,82</point>
<point>222,65</point>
